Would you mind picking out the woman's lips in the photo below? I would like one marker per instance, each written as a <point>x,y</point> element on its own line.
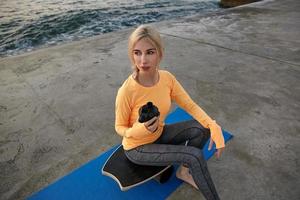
<point>145,68</point>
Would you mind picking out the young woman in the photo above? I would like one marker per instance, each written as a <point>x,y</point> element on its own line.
<point>153,142</point>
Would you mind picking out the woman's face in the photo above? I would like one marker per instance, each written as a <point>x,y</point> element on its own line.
<point>145,56</point>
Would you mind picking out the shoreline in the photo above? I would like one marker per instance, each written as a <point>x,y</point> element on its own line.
<point>105,19</point>
<point>95,37</point>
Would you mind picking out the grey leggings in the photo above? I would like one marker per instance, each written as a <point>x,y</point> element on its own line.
<point>170,148</point>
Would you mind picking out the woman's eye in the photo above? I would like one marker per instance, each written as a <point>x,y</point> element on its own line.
<point>151,52</point>
<point>137,53</point>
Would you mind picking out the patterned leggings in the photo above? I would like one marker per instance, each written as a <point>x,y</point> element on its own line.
<point>170,148</point>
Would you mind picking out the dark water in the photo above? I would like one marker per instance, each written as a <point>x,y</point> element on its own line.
<point>29,24</point>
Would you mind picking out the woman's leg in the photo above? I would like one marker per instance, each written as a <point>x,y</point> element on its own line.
<point>166,154</point>
<point>190,131</point>
<point>167,150</point>
<point>187,132</point>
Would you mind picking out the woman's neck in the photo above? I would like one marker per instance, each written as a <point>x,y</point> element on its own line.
<point>148,79</point>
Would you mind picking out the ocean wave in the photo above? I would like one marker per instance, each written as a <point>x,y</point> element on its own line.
<point>18,36</point>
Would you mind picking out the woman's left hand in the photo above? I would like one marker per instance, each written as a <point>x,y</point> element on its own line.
<point>219,151</point>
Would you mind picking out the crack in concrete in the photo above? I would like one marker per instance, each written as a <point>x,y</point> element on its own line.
<point>20,151</point>
<point>230,49</point>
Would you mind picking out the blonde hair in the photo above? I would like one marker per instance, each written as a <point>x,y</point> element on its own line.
<point>152,35</point>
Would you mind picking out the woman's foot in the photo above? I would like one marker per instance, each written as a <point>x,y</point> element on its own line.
<point>184,174</point>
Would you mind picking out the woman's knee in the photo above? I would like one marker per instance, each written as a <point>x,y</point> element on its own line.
<point>193,154</point>
<point>198,137</point>
<point>196,126</point>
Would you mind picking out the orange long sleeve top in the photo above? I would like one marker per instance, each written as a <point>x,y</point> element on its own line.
<point>131,96</point>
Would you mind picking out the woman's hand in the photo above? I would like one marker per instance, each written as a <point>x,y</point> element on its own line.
<point>219,151</point>
<point>152,124</point>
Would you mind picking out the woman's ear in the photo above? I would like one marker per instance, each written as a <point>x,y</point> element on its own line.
<point>159,61</point>
<point>160,56</point>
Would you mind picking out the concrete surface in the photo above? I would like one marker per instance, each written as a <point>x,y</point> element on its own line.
<point>240,65</point>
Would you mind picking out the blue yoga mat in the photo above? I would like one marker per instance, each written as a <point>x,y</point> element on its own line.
<point>87,182</point>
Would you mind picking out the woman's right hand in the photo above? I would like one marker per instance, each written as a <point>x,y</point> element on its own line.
<point>152,124</point>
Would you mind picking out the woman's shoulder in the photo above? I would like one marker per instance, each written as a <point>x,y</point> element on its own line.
<point>127,85</point>
<point>166,74</point>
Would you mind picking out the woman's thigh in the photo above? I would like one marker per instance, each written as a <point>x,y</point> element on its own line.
<point>164,154</point>
<point>181,132</point>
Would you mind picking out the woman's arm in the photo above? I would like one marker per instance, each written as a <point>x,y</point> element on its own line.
<point>122,118</point>
<point>184,101</point>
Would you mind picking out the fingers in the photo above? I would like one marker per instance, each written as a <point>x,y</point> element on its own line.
<point>152,124</point>
<point>219,151</point>
<point>149,122</point>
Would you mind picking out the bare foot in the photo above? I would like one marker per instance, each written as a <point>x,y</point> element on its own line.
<point>184,174</point>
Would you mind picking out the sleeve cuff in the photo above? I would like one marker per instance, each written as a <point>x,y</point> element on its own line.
<point>217,135</point>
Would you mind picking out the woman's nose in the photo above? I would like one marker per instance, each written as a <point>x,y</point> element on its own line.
<point>144,58</point>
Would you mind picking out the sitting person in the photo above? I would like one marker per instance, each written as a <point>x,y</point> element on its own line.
<point>152,142</point>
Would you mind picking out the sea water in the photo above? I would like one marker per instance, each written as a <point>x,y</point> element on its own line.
<point>29,24</point>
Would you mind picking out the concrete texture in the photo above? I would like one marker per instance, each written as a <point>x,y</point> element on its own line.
<point>241,65</point>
